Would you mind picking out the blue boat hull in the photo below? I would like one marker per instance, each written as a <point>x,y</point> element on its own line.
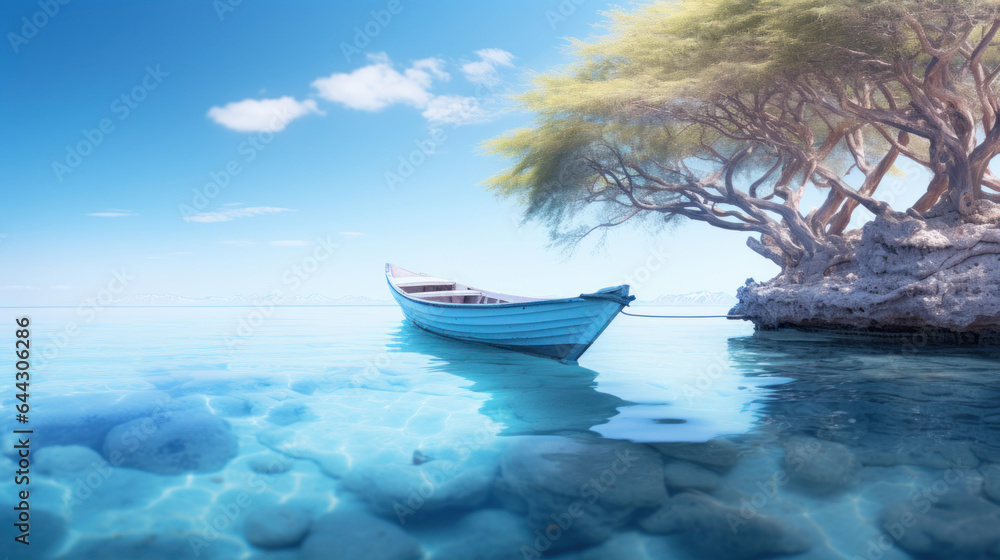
<point>562,329</point>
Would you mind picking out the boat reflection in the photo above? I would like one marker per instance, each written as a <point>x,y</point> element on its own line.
<point>528,395</point>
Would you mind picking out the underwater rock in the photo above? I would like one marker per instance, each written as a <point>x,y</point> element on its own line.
<point>666,520</point>
<point>352,536</point>
<point>719,454</point>
<point>67,461</point>
<point>172,443</point>
<point>279,526</point>
<point>991,482</point>
<point>487,534</point>
<point>270,463</point>
<point>303,386</point>
<point>334,463</point>
<point>86,418</point>
<point>954,524</point>
<point>404,490</point>
<point>289,412</point>
<point>920,452</point>
<point>823,466</point>
<point>46,535</point>
<point>719,531</point>
<point>685,475</point>
<point>630,545</point>
<point>577,491</point>
<point>155,546</point>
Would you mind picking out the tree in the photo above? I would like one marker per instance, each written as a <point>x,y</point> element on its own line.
<point>726,111</point>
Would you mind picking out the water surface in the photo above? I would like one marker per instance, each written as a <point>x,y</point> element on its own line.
<point>301,432</point>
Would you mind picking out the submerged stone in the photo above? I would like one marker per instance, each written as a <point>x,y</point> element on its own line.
<point>289,413</point>
<point>155,546</point>
<point>719,454</point>
<point>685,475</point>
<point>172,443</point>
<point>279,526</point>
<point>991,482</point>
<point>68,461</point>
<point>46,534</point>
<point>822,466</point>
<point>408,490</point>
<point>632,545</point>
<point>577,491</point>
<point>947,525</point>
<point>667,519</point>
<point>86,418</point>
<point>353,535</point>
<point>487,534</point>
<point>719,531</point>
<point>921,452</point>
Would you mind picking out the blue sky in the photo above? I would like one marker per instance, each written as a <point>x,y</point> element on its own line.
<point>121,118</point>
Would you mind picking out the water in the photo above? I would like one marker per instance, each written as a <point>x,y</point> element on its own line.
<point>205,433</point>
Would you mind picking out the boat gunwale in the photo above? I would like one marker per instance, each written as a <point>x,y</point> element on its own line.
<point>396,290</point>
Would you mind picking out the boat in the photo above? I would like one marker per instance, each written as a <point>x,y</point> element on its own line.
<point>562,329</point>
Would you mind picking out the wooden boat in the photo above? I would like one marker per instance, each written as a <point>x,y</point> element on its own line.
<point>562,329</point>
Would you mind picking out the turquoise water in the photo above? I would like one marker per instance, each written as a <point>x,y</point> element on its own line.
<point>345,433</point>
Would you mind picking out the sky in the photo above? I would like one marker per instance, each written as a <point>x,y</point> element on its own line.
<point>204,148</point>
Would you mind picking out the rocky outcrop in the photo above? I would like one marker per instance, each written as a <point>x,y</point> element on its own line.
<point>937,275</point>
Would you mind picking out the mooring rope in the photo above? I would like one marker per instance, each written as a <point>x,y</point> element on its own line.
<point>684,316</point>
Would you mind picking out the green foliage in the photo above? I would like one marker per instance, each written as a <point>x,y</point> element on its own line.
<point>646,87</point>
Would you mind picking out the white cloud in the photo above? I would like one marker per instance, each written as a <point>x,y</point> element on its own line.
<point>112,213</point>
<point>455,109</point>
<point>289,243</point>
<point>350,233</point>
<point>484,71</point>
<point>258,115</point>
<point>232,214</point>
<point>379,85</point>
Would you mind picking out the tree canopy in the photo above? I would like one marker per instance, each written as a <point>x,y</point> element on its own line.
<point>726,111</point>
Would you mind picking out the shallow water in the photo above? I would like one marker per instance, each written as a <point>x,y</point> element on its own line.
<point>205,433</point>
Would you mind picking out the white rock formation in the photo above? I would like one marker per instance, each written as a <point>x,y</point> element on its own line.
<point>937,275</point>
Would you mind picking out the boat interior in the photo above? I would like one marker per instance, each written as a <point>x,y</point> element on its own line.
<point>438,290</point>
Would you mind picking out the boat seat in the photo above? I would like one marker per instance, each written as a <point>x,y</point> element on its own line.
<point>423,283</point>
<point>448,293</point>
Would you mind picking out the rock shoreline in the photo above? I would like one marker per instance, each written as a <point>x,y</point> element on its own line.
<point>935,277</point>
